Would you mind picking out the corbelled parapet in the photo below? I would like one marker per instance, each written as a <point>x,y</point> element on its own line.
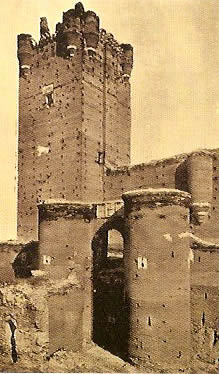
<point>25,53</point>
<point>72,30</point>
<point>127,59</point>
<point>78,31</point>
<point>153,198</point>
<point>91,30</point>
<point>54,209</point>
<point>45,36</point>
<point>118,55</point>
<point>200,172</point>
<point>78,26</point>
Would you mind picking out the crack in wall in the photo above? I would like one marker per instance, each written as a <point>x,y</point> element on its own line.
<point>13,327</point>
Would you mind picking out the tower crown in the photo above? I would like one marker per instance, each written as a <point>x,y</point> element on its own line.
<point>79,30</point>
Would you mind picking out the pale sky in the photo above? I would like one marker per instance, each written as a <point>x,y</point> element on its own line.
<point>175,81</point>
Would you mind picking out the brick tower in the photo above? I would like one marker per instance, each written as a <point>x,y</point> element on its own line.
<point>74,113</point>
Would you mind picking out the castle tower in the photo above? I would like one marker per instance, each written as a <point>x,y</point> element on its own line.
<point>74,113</point>
<point>157,272</point>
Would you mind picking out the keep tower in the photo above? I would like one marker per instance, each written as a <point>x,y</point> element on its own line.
<point>74,113</point>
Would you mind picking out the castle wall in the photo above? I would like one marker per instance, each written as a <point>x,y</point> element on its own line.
<point>157,278</point>
<point>17,260</point>
<point>8,253</point>
<point>204,309</point>
<point>168,173</point>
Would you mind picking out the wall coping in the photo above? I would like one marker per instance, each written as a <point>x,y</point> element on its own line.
<point>53,209</point>
<point>157,197</point>
<point>161,162</point>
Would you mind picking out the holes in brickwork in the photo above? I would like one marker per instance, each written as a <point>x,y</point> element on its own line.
<point>203,319</point>
<point>149,321</point>
<point>173,254</point>
<point>199,259</point>
<point>215,338</point>
<point>205,295</point>
<point>162,216</point>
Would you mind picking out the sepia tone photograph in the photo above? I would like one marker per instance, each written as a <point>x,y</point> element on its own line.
<point>109,203</point>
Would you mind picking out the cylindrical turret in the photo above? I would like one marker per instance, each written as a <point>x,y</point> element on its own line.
<point>127,59</point>
<point>200,169</point>
<point>25,53</point>
<point>65,255</point>
<point>156,256</point>
<point>91,31</point>
<point>72,31</point>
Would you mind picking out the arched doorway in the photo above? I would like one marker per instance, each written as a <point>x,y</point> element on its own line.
<point>110,323</point>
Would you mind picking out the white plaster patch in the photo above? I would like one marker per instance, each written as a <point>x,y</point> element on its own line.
<point>190,257</point>
<point>185,235</point>
<point>142,263</point>
<point>47,89</point>
<point>42,150</point>
<point>168,237</point>
<point>46,260</point>
<point>37,273</point>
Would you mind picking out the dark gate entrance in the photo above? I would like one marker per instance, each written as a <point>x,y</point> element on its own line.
<point>110,315</point>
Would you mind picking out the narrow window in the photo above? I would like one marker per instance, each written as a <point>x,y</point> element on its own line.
<point>100,159</point>
<point>49,99</point>
<point>48,92</point>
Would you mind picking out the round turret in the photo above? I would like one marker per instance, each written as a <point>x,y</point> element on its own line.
<point>25,53</point>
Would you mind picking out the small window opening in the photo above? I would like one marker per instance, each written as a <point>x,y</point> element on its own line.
<point>205,295</point>
<point>49,99</point>
<point>149,321</point>
<point>100,159</point>
<point>48,93</point>
<point>173,254</point>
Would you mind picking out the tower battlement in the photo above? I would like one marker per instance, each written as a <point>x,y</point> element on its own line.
<point>78,31</point>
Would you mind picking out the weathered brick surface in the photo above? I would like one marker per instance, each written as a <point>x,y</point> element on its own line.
<point>74,145</point>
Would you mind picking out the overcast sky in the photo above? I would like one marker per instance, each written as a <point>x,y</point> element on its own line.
<point>175,81</point>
